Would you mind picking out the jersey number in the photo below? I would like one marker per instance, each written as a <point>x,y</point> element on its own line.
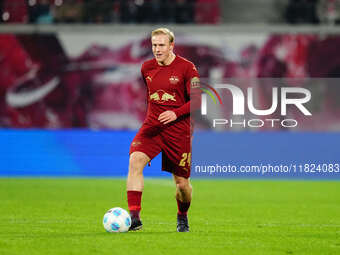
<point>186,159</point>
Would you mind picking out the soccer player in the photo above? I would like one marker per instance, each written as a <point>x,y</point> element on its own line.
<point>166,128</point>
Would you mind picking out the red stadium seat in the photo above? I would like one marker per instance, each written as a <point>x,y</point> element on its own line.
<point>15,11</point>
<point>207,11</point>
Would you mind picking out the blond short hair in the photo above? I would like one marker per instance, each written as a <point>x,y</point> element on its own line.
<point>164,31</point>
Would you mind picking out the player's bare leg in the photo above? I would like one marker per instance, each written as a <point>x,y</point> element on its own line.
<point>137,162</point>
<point>183,197</point>
<point>135,185</point>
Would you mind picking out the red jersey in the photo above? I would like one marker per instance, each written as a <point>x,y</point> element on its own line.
<point>169,89</point>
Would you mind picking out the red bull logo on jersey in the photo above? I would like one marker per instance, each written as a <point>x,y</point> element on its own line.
<point>161,96</point>
<point>167,97</point>
<point>154,96</point>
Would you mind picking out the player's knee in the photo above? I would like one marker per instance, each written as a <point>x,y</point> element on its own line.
<point>182,184</point>
<point>138,162</point>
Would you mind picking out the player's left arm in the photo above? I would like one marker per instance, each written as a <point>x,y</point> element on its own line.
<point>192,92</point>
<point>191,78</point>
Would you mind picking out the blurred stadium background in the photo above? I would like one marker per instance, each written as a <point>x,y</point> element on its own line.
<point>71,95</point>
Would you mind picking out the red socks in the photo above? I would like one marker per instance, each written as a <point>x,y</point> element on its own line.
<point>182,208</point>
<point>134,202</point>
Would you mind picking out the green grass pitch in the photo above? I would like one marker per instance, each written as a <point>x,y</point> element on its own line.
<point>64,216</point>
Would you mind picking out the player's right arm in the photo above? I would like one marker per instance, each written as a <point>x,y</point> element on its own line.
<point>142,70</point>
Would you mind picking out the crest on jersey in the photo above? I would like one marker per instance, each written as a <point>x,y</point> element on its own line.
<point>173,79</point>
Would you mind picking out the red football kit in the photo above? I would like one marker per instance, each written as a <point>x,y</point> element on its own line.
<point>168,88</point>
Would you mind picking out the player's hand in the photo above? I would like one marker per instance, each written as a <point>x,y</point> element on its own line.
<point>167,117</point>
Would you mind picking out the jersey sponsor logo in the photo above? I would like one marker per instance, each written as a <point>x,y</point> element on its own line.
<point>167,97</point>
<point>173,79</point>
<point>154,96</point>
<point>161,96</point>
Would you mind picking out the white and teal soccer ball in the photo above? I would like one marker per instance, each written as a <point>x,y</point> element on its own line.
<point>117,220</point>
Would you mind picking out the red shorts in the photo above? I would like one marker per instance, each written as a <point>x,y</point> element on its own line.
<point>171,141</point>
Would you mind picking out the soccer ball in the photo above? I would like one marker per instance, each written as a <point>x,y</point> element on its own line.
<point>117,220</point>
